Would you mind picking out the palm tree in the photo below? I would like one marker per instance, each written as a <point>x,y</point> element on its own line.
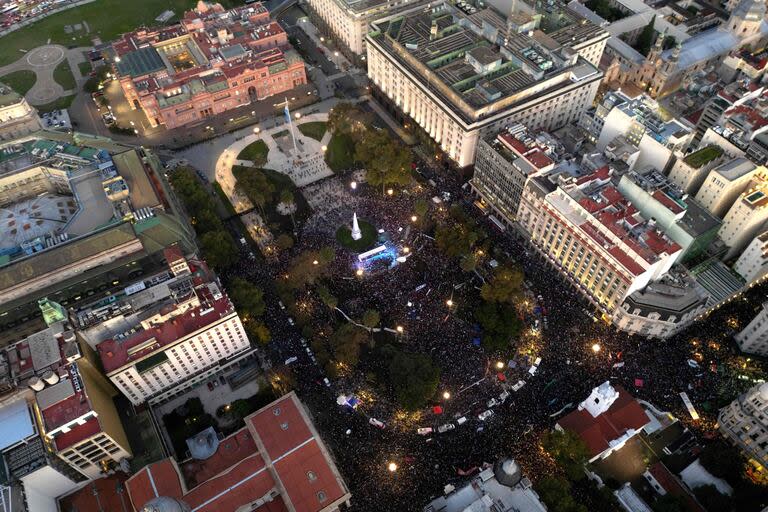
<point>287,206</point>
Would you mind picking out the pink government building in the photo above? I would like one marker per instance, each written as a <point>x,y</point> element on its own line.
<point>213,61</point>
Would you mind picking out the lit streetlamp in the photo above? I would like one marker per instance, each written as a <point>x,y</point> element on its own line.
<point>256,130</point>
<point>499,365</point>
<point>392,467</point>
<point>353,185</point>
<point>315,262</point>
<point>449,302</point>
<point>390,191</point>
<point>414,218</point>
<point>595,348</point>
<point>446,395</point>
<point>399,329</point>
<point>359,272</point>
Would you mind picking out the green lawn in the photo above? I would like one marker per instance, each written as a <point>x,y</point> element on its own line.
<point>368,232</point>
<point>107,19</point>
<point>85,68</point>
<point>61,103</point>
<point>20,81</point>
<point>256,152</point>
<point>315,129</point>
<point>341,152</point>
<point>63,76</point>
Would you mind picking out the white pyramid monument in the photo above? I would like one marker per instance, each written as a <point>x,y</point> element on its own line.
<point>356,234</point>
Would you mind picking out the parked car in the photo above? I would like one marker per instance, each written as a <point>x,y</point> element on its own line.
<point>210,386</point>
<point>485,415</point>
<point>326,382</point>
<point>376,423</point>
<point>445,428</point>
<point>291,360</point>
<point>503,396</point>
<point>492,403</point>
<point>461,420</point>
<point>423,431</point>
<point>520,384</point>
<point>290,321</point>
<point>280,303</point>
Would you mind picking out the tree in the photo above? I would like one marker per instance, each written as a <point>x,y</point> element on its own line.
<point>327,297</point>
<point>371,318</point>
<point>555,492</point>
<point>505,286</point>
<point>256,330</point>
<point>569,451</point>
<point>413,377</point>
<point>386,162</point>
<point>284,241</point>
<point>669,503</point>
<point>500,324</point>
<point>326,254</point>
<point>722,460</point>
<point>348,119</point>
<point>345,344</point>
<point>255,185</point>
<point>218,249</point>
<point>646,38</point>
<point>248,298</point>
<point>287,205</point>
<point>306,268</point>
<point>468,262</point>
<point>712,498</point>
<point>455,239</point>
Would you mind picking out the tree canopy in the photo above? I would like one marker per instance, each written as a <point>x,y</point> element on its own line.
<point>505,285</point>
<point>386,161</point>
<point>371,318</point>
<point>307,267</point>
<point>555,492</point>
<point>248,298</point>
<point>413,377</point>
<point>346,343</point>
<point>219,249</point>
<point>569,451</point>
<point>500,324</point>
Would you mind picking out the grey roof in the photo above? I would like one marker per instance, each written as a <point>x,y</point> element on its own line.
<point>735,169</point>
<point>665,299</point>
<point>230,52</point>
<point>44,349</point>
<point>707,45</point>
<point>55,394</point>
<point>750,9</point>
<point>140,62</point>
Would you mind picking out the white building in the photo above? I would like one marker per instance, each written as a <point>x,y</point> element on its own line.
<point>724,184</point>
<point>347,20</point>
<point>461,76</point>
<point>17,117</point>
<point>637,120</point>
<point>747,217</point>
<point>753,339</point>
<point>689,172</point>
<point>745,423</point>
<point>752,265</point>
<point>594,235</point>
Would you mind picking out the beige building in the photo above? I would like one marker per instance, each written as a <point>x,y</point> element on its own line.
<point>689,172</point>
<point>724,184</point>
<point>594,235</point>
<point>752,265</point>
<point>753,339</point>
<point>17,117</point>
<point>745,423</point>
<point>746,218</point>
<point>440,67</point>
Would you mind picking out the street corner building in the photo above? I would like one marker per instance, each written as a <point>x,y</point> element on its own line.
<point>213,61</point>
<point>276,463</point>
<point>462,72</point>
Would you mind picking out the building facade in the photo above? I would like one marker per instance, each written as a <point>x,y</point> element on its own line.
<point>415,58</point>
<point>747,217</point>
<point>752,265</point>
<point>753,339</point>
<point>17,117</point>
<point>745,423</point>
<point>594,236</point>
<point>724,184</point>
<point>165,353</point>
<point>689,172</point>
<point>214,61</point>
<point>503,165</point>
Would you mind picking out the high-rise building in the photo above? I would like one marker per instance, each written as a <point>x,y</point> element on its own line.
<point>747,217</point>
<point>724,184</point>
<point>753,339</point>
<point>745,423</point>
<point>504,162</point>
<point>752,265</point>
<point>594,235</point>
<point>82,218</point>
<point>637,120</point>
<point>689,172</point>
<point>276,462</point>
<point>166,333</point>
<point>462,74</point>
<point>59,423</point>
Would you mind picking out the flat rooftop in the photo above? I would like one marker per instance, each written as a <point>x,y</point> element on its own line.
<point>442,45</point>
<point>735,169</point>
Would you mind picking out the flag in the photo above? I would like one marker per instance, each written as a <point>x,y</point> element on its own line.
<point>287,112</point>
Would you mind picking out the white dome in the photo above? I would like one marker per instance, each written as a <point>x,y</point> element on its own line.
<point>165,504</point>
<point>764,390</point>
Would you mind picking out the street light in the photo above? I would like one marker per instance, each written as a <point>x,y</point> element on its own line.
<point>359,272</point>
<point>390,191</point>
<point>399,329</point>
<point>595,348</point>
<point>406,250</point>
<point>414,218</point>
<point>449,302</point>
<point>324,148</point>
<point>315,262</point>
<point>352,185</point>
<point>256,130</point>
<point>392,467</point>
<point>297,115</point>
<point>499,365</point>
<point>446,395</point>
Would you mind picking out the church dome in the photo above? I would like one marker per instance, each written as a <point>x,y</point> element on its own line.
<point>165,504</point>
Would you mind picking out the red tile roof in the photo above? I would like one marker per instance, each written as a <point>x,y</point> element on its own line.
<point>673,486</point>
<point>102,494</point>
<point>276,453</point>
<point>624,414</point>
<point>669,203</point>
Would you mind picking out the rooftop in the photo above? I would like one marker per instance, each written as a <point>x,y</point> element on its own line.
<point>703,156</point>
<point>516,143</point>
<point>644,112</point>
<point>735,169</point>
<point>669,298</point>
<point>284,464</point>
<point>479,75</point>
<point>8,96</point>
<point>133,348</point>
<point>624,415</point>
